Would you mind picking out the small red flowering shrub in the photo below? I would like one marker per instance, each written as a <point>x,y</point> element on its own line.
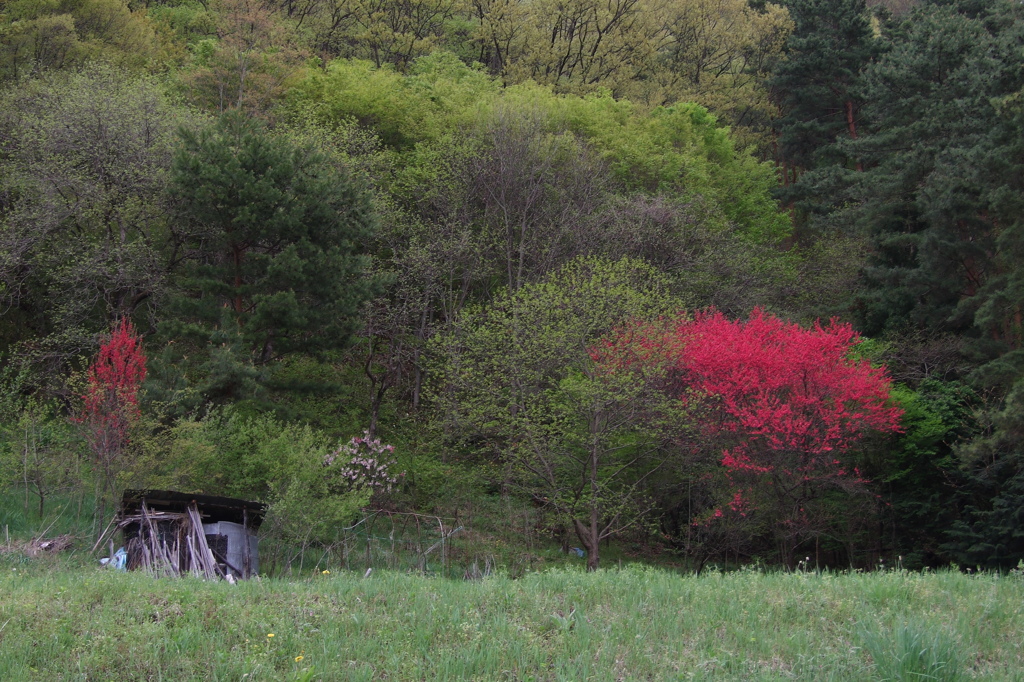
<point>110,406</point>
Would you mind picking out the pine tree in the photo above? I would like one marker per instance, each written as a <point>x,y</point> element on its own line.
<point>941,201</point>
<point>990,533</point>
<point>940,197</point>
<point>817,90</point>
<point>272,235</point>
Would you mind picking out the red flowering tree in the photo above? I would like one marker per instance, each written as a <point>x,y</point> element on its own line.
<point>110,406</point>
<point>783,403</point>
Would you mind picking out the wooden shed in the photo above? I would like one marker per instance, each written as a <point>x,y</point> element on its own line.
<point>175,533</point>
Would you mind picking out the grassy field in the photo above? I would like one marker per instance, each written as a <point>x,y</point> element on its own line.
<point>61,621</point>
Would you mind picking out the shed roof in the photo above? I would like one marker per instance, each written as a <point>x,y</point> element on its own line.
<point>210,507</point>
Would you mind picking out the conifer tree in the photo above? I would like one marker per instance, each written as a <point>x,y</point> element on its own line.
<point>941,197</point>
<point>990,532</point>
<point>273,236</point>
<point>941,202</point>
<point>817,90</point>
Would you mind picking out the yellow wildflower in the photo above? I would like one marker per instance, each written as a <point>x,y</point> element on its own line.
<point>299,658</point>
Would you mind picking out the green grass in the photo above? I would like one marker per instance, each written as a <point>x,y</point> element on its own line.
<point>71,514</point>
<point>61,621</point>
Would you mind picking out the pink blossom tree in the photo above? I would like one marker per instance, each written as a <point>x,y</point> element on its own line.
<point>784,403</point>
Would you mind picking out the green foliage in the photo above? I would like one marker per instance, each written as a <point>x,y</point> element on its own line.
<point>42,456</point>
<point>818,82</point>
<point>437,95</point>
<point>36,35</point>
<point>939,166</point>
<point>494,351</point>
<point>591,135</point>
<point>939,200</point>
<point>936,416</point>
<point>718,54</point>
<point>989,533</point>
<point>82,217</point>
<point>190,20</point>
<point>918,470</point>
<point>246,60</point>
<point>262,458</point>
<point>41,452</point>
<point>515,381</point>
<point>826,272</point>
<point>326,393</point>
<point>680,149</point>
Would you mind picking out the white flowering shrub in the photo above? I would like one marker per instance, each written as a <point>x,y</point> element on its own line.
<point>364,463</point>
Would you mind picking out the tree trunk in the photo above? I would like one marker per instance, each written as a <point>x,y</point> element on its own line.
<point>589,541</point>
<point>590,535</point>
<point>851,125</point>
<point>417,380</point>
<point>236,253</point>
<point>375,403</point>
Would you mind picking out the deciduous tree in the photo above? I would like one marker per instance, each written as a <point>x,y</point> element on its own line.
<point>35,36</point>
<point>784,403</point>
<point>250,62</point>
<point>83,223</point>
<point>110,406</point>
<point>515,384</point>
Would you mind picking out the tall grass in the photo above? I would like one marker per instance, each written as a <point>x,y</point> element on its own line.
<point>908,651</point>
<point>61,621</point>
<point>67,513</point>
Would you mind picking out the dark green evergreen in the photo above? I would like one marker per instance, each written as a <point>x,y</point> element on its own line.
<point>940,200</point>
<point>990,533</point>
<point>817,88</point>
<point>940,168</point>
<point>272,237</point>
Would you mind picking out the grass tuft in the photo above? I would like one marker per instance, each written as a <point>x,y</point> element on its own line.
<point>912,652</point>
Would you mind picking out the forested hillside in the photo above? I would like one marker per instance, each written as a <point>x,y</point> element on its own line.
<point>717,280</point>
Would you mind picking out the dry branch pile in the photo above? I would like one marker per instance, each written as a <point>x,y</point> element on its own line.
<point>37,546</point>
<point>169,543</point>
